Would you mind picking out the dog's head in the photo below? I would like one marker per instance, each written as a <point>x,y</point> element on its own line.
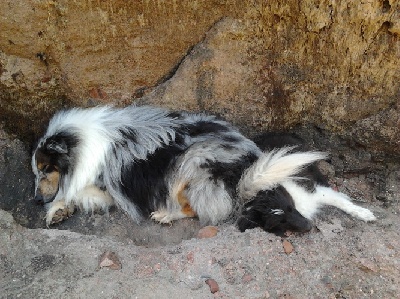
<point>273,211</point>
<point>50,162</point>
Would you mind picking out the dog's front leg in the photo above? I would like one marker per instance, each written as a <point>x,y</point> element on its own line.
<point>58,211</point>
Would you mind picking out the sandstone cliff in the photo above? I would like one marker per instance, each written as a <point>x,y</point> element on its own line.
<point>266,64</point>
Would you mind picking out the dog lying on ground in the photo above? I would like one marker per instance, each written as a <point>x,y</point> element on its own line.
<point>294,203</point>
<point>152,162</point>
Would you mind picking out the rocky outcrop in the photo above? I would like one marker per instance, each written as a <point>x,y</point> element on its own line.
<point>268,65</point>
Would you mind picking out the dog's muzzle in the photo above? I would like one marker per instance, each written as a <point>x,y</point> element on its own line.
<point>38,199</point>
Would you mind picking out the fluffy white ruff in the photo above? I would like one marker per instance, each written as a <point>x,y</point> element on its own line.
<point>273,168</point>
<point>308,203</point>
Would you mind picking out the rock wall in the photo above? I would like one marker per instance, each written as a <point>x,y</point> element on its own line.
<point>266,64</point>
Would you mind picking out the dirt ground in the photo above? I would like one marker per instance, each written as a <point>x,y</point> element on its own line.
<point>340,258</point>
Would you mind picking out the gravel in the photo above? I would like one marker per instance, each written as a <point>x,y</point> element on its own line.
<point>340,257</point>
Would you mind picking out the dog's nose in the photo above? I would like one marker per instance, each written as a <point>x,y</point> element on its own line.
<point>39,199</point>
<point>307,226</point>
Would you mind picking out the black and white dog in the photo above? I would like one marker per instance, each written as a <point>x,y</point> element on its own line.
<point>151,162</point>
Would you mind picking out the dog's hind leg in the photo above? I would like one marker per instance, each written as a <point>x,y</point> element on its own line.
<point>178,207</point>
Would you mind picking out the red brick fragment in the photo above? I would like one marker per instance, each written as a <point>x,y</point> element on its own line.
<point>213,285</point>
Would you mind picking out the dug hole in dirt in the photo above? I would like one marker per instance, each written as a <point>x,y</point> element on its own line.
<point>109,256</point>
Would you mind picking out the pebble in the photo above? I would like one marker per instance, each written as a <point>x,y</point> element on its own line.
<point>287,246</point>
<point>110,260</point>
<point>213,285</point>
<point>207,232</point>
<point>190,257</point>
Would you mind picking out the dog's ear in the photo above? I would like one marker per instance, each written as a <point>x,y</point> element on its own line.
<point>59,147</point>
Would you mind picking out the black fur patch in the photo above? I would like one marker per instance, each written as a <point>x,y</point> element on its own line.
<point>312,174</point>
<point>57,150</point>
<point>144,182</point>
<point>313,177</point>
<point>128,134</point>
<point>175,115</point>
<point>273,211</point>
<point>205,127</point>
<point>230,173</point>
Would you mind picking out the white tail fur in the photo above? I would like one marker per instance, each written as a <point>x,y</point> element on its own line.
<point>273,168</point>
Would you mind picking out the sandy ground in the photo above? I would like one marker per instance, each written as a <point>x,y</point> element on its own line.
<point>340,258</point>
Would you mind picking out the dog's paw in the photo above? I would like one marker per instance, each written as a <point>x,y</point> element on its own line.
<point>60,215</point>
<point>364,214</point>
<point>58,212</point>
<point>162,216</point>
<point>368,216</point>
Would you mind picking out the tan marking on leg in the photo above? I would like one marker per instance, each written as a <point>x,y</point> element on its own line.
<point>184,202</point>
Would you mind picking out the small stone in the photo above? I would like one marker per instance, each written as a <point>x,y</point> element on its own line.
<point>190,257</point>
<point>287,246</point>
<point>110,260</point>
<point>213,285</point>
<point>207,232</point>
<point>157,267</point>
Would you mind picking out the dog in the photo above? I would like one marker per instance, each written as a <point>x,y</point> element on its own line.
<point>152,162</point>
<point>294,203</point>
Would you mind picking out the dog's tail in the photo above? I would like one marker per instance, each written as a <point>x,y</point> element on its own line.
<point>273,168</point>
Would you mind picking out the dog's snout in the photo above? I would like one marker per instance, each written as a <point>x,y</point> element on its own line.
<point>307,226</point>
<point>39,199</point>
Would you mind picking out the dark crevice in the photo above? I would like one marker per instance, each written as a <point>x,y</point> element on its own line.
<point>386,6</point>
<point>173,71</point>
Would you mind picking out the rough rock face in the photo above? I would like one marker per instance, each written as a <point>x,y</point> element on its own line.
<point>265,64</point>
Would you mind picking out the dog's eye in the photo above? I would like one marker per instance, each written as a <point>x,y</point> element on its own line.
<point>283,221</point>
<point>48,168</point>
<point>277,211</point>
